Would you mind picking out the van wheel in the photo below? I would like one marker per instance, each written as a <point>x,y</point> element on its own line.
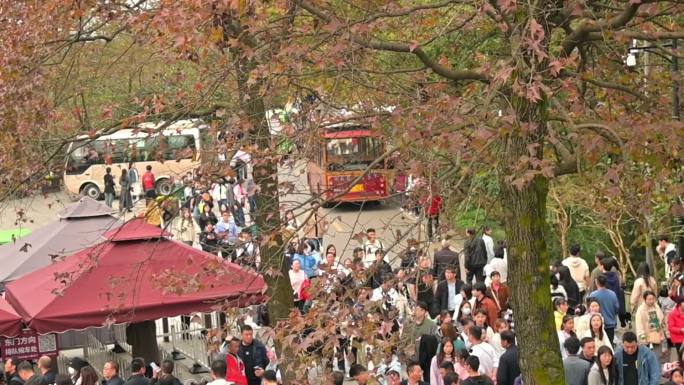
<point>163,187</point>
<point>91,190</point>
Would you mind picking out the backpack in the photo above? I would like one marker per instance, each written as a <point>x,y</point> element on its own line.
<point>148,181</point>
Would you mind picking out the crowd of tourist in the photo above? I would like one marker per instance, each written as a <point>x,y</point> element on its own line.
<point>463,332</point>
<point>439,319</point>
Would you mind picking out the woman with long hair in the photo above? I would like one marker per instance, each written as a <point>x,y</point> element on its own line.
<point>582,322</point>
<point>465,311</point>
<point>566,332</point>
<point>500,325</point>
<point>480,318</point>
<point>557,291</point>
<point>290,221</point>
<point>570,286</point>
<point>331,249</point>
<point>446,353</point>
<point>465,296</point>
<point>89,376</point>
<point>460,365</point>
<point>597,332</point>
<point>207,216</point>
<point>125,199</point>
<point>603,372</point>
<point>643,283</point>
<point>650,323</point>
<point>184,228</point>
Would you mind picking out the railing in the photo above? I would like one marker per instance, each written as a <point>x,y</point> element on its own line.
<point>193,344</point>
<point>120,337</point>
<point>96,353</point>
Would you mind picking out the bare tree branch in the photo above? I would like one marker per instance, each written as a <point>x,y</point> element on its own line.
<point>446,72</point>
<point>581,34</point>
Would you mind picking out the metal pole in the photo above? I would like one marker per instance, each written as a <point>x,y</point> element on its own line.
<point>676,113</point>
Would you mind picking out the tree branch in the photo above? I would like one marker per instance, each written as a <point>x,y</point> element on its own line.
<point>581,34</point>
<point>606,84</point>
<point>441,70</point>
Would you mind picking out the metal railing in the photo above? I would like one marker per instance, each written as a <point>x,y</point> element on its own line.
<point>96,353</point>
<point>120,337</point>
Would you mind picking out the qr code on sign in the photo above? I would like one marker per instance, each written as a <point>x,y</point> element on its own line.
<point>47,343</point>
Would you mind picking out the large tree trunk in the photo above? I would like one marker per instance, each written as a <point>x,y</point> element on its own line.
<point>528,259</point>
<point>267,217</point>
<point>265,171</point>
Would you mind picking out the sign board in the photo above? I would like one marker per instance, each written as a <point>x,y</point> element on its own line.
<point>29,345</point>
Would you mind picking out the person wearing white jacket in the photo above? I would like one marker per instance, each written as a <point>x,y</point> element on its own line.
<point>597,332</point>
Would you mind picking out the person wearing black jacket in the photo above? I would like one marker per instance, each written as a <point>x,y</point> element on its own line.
<point>110,374</point>
<point>425,292</point>
<point>444,258</point>
<point>138,369</point>
<point>509,368</point>
<point>380,269</point>
<point>475,257</point>
<point>445,297</point>
<point>45,367</point>
<point>11,375</point>
<point>165,374</point>
<point>570,286</point>
<point>253,354</point>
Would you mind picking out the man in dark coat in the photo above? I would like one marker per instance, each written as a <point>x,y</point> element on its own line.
<point>508,362</point>
<point>11,375</point>
<point>138,369</point>
<point>379,269</point>
<point>447,290</point>
<point>25,371</point>
<point>444,258</point>
<point>253,354</point>
<point>45,367</point>
<point>475,257</point>
<point>110,374</point>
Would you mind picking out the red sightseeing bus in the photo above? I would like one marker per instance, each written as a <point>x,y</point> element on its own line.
<point>343,155</point>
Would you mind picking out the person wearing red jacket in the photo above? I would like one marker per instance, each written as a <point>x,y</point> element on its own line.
<point>675,324</point>
<point>433,205</point>
<point>482,301</point>
<point>235,366</point>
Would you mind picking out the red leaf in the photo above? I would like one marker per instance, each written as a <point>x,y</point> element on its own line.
<point>444,61</point>
<point>333,26</point>
<point>555,67</point>
<point>413,46</point>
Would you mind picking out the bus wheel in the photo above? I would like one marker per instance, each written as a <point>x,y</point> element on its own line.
<point>163,187</point>
<point>91,190</point>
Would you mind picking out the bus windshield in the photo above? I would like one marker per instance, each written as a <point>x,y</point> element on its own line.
<point>352,154</point>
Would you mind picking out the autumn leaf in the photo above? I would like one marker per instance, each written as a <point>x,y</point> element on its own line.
<point>555,66</point>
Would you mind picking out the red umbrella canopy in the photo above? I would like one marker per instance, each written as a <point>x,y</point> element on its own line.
<point>130,278</point>
<point>10,322</point>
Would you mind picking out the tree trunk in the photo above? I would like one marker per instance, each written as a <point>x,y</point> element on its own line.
<point>525,223</point>
<point>267,216</point>
<point>265,171</point>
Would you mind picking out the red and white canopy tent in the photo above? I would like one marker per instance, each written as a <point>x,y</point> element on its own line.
<point>137,274</point>
<point>10,321</point>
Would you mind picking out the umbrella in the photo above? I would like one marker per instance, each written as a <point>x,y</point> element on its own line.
<point>137,274</point>
<point>80,225</point>
<point>10,321</point>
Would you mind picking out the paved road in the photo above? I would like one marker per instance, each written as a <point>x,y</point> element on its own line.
<point>347,221</point>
